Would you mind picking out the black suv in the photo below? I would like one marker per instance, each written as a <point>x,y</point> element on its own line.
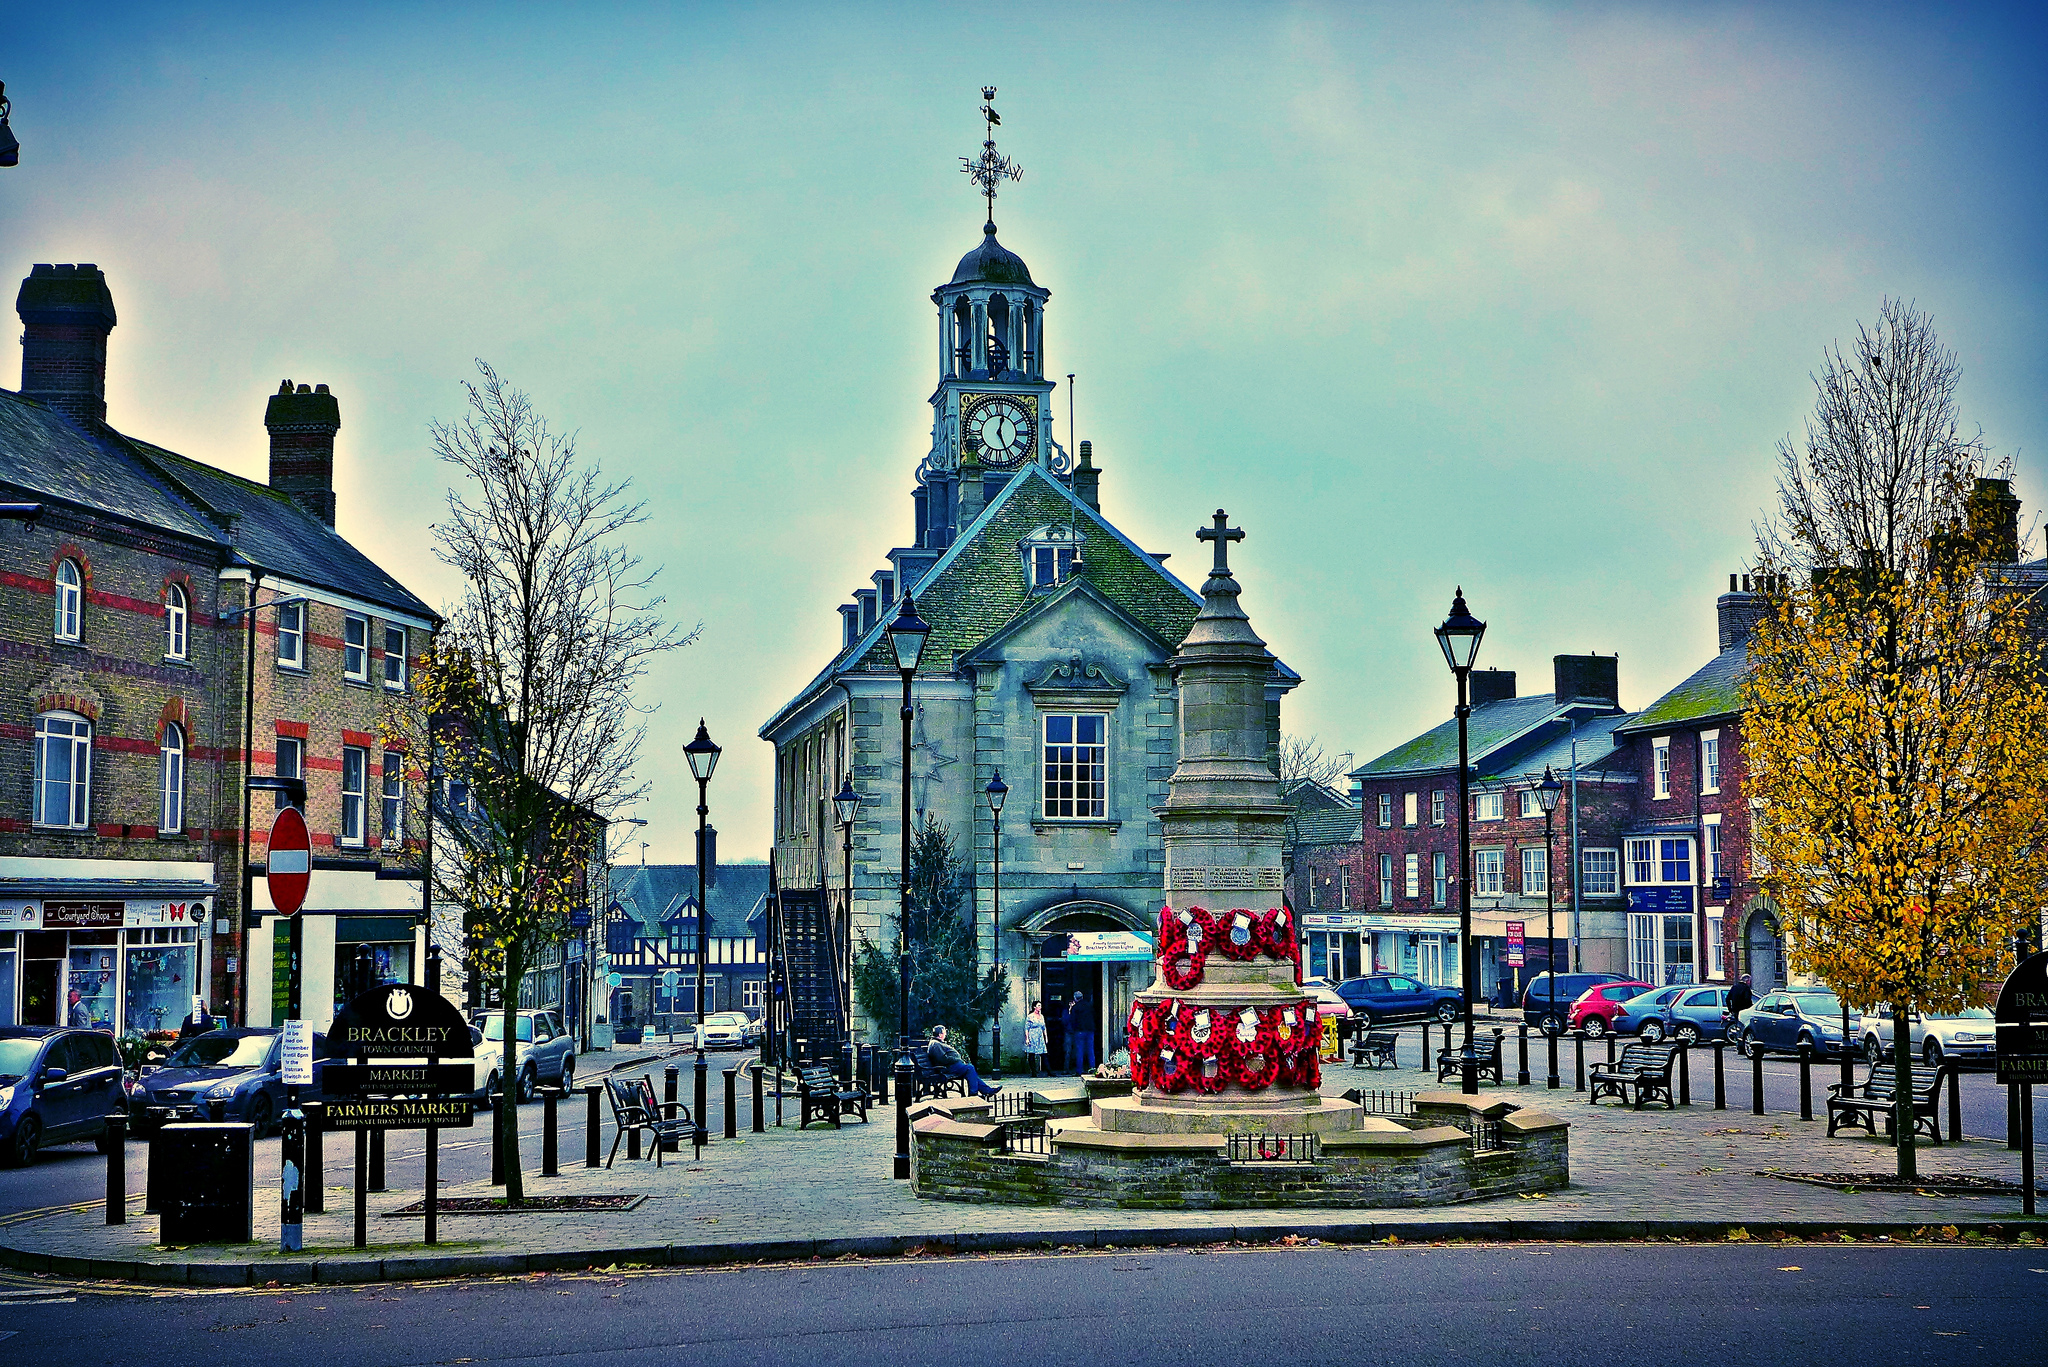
<point>1536,997</point>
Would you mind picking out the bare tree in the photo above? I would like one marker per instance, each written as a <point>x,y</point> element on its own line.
<point>1302,758</point>
<point>524,709</point>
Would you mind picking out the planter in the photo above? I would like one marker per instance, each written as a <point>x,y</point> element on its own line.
<point>1100,1087</point>
<point>629,1034</point>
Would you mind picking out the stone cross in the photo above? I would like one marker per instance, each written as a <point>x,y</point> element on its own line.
<point>1222,534</point>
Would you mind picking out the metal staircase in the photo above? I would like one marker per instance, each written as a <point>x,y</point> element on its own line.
<point>811,953</point>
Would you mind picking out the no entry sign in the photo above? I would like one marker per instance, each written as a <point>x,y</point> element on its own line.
<point>289,862</point>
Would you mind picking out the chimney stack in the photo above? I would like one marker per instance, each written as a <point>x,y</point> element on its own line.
<point>302,425</point>
<point>1492,685</point>
<point>1586,678</point>
<point>1087,478</point>
<point>1995,521</point>
<point>1740,609</point>
<point>66,314</point>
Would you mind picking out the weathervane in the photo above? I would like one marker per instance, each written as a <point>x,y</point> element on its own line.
<point>991,168</point>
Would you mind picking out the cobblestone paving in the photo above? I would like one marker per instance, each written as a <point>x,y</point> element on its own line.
<point>1694,1164</point>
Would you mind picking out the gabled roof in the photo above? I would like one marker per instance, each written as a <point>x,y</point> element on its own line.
<point>1325,826</point>
<point>657,894</point>
<point>976,590</point>
<point>92,466</point>
<point>1714,690</point>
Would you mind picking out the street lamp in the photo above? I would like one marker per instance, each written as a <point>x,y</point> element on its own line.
<point>906,640</point>
<point>703,756</point>
<point>846,806</point>
<point>998,792</point>
<point>1459,636</point>
<point>1547,794</point>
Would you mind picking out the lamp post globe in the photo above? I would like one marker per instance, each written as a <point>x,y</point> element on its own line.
<point>1459,637</point>
<point>907,635</point>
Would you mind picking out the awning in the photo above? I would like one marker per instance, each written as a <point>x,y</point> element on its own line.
<point>1108,946</point>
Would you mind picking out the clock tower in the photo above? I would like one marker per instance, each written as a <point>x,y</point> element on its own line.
<point>991,410</point>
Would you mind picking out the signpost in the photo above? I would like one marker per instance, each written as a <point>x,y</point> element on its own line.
<point>402,1038</point>
<point>1516,954</point>
<point>288,869</point>
<point>2021,1028</point>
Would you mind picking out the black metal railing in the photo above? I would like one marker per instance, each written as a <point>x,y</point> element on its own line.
<point>1010,1106</point>
<point>1383,1101</point>
<point>1485,1134</point>
<point>1027,1137</point>
<point>1274,1148</point>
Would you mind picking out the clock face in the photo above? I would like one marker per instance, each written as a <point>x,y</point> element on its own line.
<point>1001,431</point>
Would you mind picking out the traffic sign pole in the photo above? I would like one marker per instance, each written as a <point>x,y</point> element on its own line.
<point>288,868</point>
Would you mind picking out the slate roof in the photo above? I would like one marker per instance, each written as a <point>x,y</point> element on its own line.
<point>659,893</point>
<point>1714,690</point>
<point>1551,745</point>
<point>1325,826</point>
<point>1491,726</point>
<point>93,466</point>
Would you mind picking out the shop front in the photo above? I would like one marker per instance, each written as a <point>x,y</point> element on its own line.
<point>127,966</point>
<point>349,913</point>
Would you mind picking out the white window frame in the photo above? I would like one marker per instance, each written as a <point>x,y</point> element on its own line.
<point>1599,882</point>
<point>1436,808</point>
<point>750,993</point>
<point>1386,880</point>
<point>355,647</point>
<point>1489,876</point>
<point>69,593</point>
<point>1660,767</point>
<point>1489,806</point>
<point>1530,803</point>
<point>1534,887</point>
<point>70,735</point>
<point>1650,939</point>
<point>1386,811</point>
<point>1073,786</point>
<point>354,800</point>
<point>1712,852</point>
<point>1641,861</point>
<point>392,826</point>
<point>1710,761</point>
<point>1412,881</point>
<point>1439,879</point>
<point>177,623</point>
<point>296,748</point>
<point>291,632</point>
<point>1410,808</point>
<point>397,663</point>
<point>1717,958</point>
<point>171,794</point>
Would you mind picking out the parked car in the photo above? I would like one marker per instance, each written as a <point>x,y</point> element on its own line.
<point>1380,997</point>
<point>545,1053</point>
<point>730,1030</point>
<point>1596,1007</point>
<point>1964,1036</point>
<point>1329,1006</point>
<point>57,1086</point>
<point>1536,997</point>
<point>1699,1013</point>
<point>1643,1014</point>
<point>1791,1018</point>
<point>242,1069</point>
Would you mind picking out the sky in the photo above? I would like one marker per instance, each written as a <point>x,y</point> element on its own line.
<point>1513,297</point>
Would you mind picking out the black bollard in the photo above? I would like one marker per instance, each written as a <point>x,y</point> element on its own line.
<point>1423,1062</point>
<point>117,1168</point>
<point>1684,1073</point>
<point>548,1142</point>
<point>1610,1048</point>
<point>1522,1045</point>
<point>1720,1078</point>
<point>1550,1039</point>
<point>593,1129</point>
<point>1955,1104</point>
<point>1806,1082</point>
<point>700,1136</point>
<point>362,1189</point>
<point>432,1200</point>
<point>732,1099</point>
<point>759,1119</point>
<point>882,1078</point>
<point>669,1076</point>
<point>497,1144</point>
<point>1578,1060</point>
<point>316,1156</point>
<point>376,1160</point>
<point>906,1073</point>
<point>1756,1080</point>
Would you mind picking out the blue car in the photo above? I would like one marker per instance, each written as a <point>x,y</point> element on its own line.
<point>241,1071</point>
<point>1644,1013</point>
<point>57,1086</point>
<point>1698,1013</point>
<point>1380,997</point>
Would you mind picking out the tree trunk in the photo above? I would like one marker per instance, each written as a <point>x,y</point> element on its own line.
<point>507,1118</point>
<point>1902,1105</point>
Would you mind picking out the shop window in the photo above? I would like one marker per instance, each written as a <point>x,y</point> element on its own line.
<point>1660,948</point>
<point>355,762</point>
<point>171,814</point>
<point>177,622</point>
<point>70,599</point>
<point>162,979</point>
<point>63,771</point>
<point>89,1000</point>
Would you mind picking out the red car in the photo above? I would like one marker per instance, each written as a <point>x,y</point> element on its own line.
<point>1596,1008</point>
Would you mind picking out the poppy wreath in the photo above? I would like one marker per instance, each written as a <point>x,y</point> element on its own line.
<point>1173,1064</point>
<point>1301,1064</point>
<point>1180,963</point>
<point>1147,1026</point>
<point>1209,1051</point>
<point>1254,1063</point>
<point>1276,936</point>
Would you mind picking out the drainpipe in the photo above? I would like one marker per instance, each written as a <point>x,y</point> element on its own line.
<point>1578,959</point>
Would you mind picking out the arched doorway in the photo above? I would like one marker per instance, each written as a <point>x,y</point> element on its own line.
<point>1766,953</point>
<point>1104,987</point>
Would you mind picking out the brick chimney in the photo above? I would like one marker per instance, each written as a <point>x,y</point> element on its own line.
<point>1995,520</point>
<point>1586,678</point>
<point>302,425</point>
<point>1740,609</point>
<point>1492,685</point>
<point>1087,479</point>
<point>66,314</point>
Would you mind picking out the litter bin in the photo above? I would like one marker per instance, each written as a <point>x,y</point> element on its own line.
<point>204,1180</point>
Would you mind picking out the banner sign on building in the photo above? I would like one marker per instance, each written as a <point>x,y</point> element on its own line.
<point>32,914</point>
<point>1668,899</point>
<point>1515,945</point>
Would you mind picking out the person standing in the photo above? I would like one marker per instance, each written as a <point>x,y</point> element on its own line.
<point>1740,998</point>
<point>1034,1039</point>
<point>1080,1023</point>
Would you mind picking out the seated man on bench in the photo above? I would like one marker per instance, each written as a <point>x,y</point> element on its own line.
<point>946,1061</point>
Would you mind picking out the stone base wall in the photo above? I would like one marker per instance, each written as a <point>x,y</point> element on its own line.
<point>962,1160</point>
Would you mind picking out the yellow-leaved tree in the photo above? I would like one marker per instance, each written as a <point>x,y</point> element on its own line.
<point>1897,729</point>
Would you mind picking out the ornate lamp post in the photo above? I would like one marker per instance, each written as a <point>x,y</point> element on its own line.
<point>1459,636</point>
<point>703,756</point>
<point>846,806</point>
<point>906,639</point>
<point>1547,793</point>
<point>998,791</point>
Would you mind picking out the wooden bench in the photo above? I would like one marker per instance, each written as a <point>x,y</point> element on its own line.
<point>1450,1061</point>
<point>1375,1049</point>
<point>634,1108</point>
<point>931,1082</point>
<point>1861,1104</point>
<point>825,1097</point>
<point>1643,1068</point>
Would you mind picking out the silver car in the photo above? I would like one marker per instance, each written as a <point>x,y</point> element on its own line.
<point>1964,1036</point>
<point>546,1054</point>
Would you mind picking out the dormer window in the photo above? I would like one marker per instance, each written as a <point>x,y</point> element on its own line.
<point>1049,556</point>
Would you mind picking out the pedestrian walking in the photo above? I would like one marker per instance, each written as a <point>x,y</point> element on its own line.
<point>1034,1039</point>
<point>1080,1023</point>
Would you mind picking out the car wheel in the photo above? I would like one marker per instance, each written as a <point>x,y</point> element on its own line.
<point>1594,1026</point>
<point>529,1085</point>
<point>1448,1013</point>
<point>28,1137</point>
<point>260,1114</point>
<point>1688,1032</point>
<point>494,1087</point>
<point>568,1076</point>
<point>1873,1052</point>
<point>1751,1047</point>
<point>1652,1032</point>
<point>1931,1051</point>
